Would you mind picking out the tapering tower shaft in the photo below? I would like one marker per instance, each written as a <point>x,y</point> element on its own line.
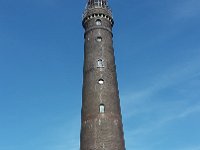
<point>101,121</point>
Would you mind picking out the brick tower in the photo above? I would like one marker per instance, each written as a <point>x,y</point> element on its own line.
<point>101,121</point>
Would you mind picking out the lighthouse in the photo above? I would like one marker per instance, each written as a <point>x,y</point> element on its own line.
<point>101,119</point>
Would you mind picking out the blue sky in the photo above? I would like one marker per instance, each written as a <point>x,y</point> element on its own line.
<point>157,53</point>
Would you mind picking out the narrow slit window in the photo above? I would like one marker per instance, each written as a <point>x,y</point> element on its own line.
<point>100,63</point>
<point>101,81</point>
<point>99,39</point>
<point>102,108</point>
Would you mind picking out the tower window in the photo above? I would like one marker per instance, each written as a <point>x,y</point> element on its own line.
<point>99,39</point>
<point>98,3</point>
<point>100,63</point>
<point>101,81</point>
<point>98,22</point>
<point>102,108</point>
